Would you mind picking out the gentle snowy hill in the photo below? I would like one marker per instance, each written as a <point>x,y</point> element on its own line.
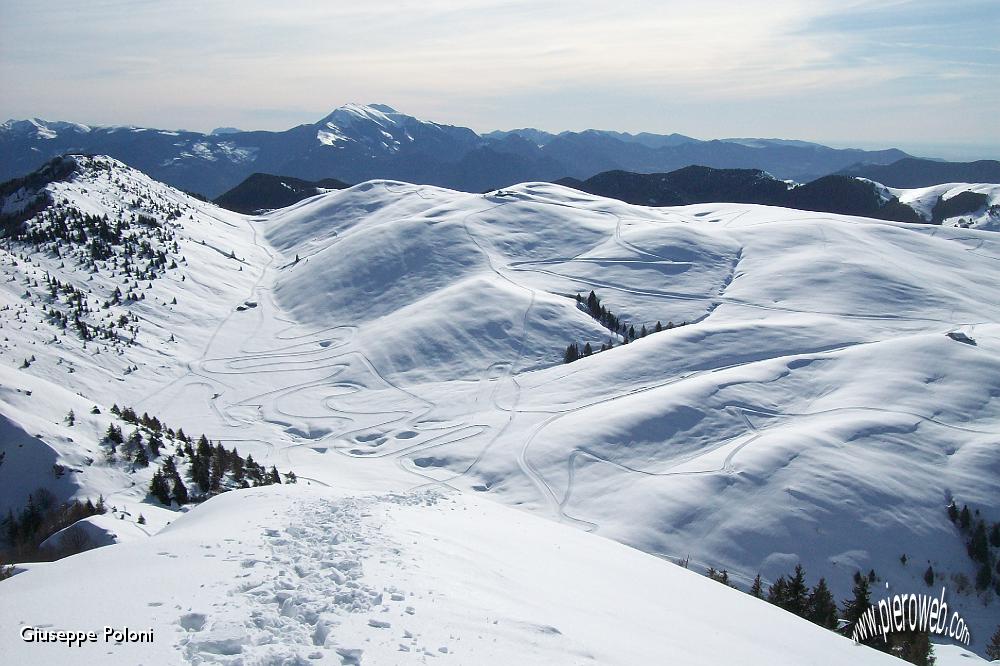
<point>803,402</point>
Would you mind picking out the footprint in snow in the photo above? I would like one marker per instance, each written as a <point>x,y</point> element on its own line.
<point>350,657</point>
<point>193,621</point>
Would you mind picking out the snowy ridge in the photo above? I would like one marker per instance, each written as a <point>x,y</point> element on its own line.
<point>391,338</point>
<point>207,283</point>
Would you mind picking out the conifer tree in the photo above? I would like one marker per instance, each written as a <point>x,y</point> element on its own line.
<point>159,489</point>
<point>798,592</point>
<point>572,353</point>
<point>113,434</point>
<point>979,545</point>
<point>984,577</point>
<point>200,472</point>
<point>154,445</point>
<point>216,472</point>
<point>180,493</point>
<point>860,600</point>
<point>204,448</point>
<point>993,649</point>
<point>238,472</point>
<point>757,589</point>
<point>777,593</point>
<point>821,608</point>
<point>965,518</point>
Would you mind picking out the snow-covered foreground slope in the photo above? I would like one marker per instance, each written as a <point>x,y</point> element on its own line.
<point>391,338</point>
<point>308,575</point>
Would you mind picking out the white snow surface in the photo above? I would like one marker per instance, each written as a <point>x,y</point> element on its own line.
<point>311,575</point>
<point>400,348</point>
<point>923,199</point>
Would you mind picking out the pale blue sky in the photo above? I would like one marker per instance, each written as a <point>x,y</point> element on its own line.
<point>910,73</point>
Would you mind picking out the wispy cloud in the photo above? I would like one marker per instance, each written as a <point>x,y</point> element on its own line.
<point>814,68</point>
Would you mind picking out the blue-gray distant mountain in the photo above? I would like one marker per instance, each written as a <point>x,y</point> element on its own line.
<point>357,143</point>
<point>698,184</point>
<point>912,172</point>
<point>262,191</point>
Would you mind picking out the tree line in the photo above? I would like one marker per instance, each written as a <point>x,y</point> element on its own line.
<point>620,329</point>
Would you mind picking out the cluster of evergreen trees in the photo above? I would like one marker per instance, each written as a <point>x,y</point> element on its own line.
<point>129,247</point>
<point>42,517</point>
<point>96,241</point>
<point>817,605</point>
<point>627,333</point>
<point>78,309</point>
<point>211,470</point>
<point>791,592</point>
<point>980,542</point>
<point>189,471</point>
<point>144,443</point>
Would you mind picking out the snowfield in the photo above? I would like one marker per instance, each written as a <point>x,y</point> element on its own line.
<point>310,575</point>
<point>400,348</point>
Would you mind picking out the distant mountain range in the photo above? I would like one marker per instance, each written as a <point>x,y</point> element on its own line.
<point>845,195</point>
<point>357,143</point>
<point>913,172</point>
<point>262,191</point>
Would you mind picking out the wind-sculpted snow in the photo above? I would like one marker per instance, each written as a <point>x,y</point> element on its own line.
<point>802,403</point>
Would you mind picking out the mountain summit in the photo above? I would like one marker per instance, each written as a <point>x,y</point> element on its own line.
<point>359,142</point>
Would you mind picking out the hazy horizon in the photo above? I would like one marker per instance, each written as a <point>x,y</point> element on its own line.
<point>910,74</point>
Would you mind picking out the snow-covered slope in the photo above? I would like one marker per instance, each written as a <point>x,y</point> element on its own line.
<point>133,345</point>
<point>303,575</point>
<point>806,406</point>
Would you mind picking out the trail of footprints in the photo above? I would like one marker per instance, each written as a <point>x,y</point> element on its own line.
<point>308,602</point>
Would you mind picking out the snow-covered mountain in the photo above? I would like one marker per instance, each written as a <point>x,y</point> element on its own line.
<point>356,143</point>
<point>812,388</point>
<point>952,204</point>
<point>975,205</point>
<point>912,172</point>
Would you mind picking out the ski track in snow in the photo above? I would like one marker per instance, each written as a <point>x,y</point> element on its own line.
<point>329,350</point>
<point>290,389</point>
